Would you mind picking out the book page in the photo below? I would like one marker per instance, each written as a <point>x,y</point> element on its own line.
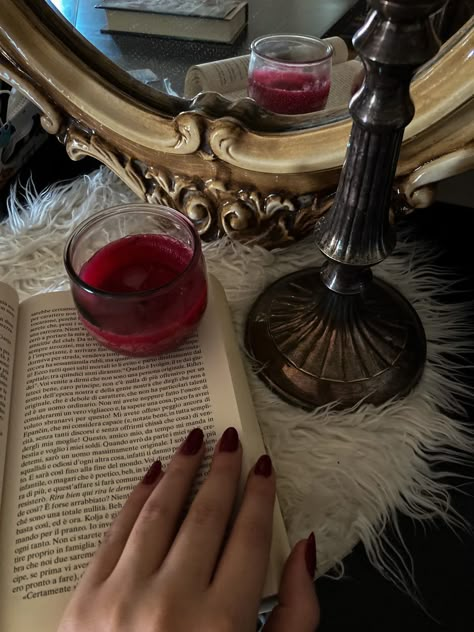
<point>88,423</point>
<point>251,436</point>
<point>342,80</point>
<point>226,75</point>
<point>229,76</point>
<point>8,323</point>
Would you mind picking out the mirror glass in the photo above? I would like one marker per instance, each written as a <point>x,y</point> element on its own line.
<point>163,63</point>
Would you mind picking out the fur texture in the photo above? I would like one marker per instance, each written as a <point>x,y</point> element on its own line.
<point>343,475</point>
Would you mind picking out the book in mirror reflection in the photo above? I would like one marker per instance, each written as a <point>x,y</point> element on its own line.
<point>204,20</point>
<point>79,426</point>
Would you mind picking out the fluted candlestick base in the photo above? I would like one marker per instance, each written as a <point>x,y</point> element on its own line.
<point>315,346</point>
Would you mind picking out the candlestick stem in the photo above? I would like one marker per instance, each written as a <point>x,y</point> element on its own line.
<point>334,334</point>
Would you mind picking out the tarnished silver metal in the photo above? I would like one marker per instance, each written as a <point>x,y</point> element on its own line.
<point>317,346</point>
<point>333,334</point>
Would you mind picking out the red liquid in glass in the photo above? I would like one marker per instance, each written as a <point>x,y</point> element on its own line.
<point>289,92</point>
<point>152,323</point>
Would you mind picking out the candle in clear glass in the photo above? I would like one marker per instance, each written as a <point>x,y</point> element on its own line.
<point>138,278</point>
<point>290,74</point>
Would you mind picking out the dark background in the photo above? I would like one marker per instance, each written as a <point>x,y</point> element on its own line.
<point>443,560</point>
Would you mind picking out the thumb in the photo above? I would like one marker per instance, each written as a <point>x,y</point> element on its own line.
<point>298,605</point>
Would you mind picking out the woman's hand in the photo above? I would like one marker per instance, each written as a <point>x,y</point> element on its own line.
<point>150,576</point>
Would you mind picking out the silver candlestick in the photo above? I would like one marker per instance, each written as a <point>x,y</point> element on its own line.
<point>335,334</point>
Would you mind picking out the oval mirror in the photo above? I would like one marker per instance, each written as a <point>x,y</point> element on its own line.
<point>186,63</point>
<point>232,167</point>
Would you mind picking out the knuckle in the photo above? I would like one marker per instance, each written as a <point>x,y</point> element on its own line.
<point>225,464</point>
<point>154,510</point>
<point>95,616</point>
<point>258,500</point>
<point>205,512</point>
<point>225,622</point>
<point>177,466</point>
<point>110,535</point>
<point>115,614</point>
<point>255,531</point>
<point>261,488</point>
<point>178,470</point>
<point>165,617</point>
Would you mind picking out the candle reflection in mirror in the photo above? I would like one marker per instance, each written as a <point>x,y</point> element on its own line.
<point>290,74</point>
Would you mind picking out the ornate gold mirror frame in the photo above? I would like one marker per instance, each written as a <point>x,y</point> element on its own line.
<point>229,167</point>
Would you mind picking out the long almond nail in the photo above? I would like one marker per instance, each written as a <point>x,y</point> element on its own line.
<point>263,467</point>
<point>229,441</point>
<point>193,442</point>
<point>152,474</point>
<point>310,555</point>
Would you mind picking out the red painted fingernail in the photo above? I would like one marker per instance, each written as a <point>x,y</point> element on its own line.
<point>152,474</point>
<point>229,441</point>
<point>193,442</point>
<point>310,555</point>
<point>263,467</point>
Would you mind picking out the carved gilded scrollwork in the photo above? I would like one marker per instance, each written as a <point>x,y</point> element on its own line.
<point>51,118</point>
<point>215,208</point>
<point>79,144</point>
<point>243,214</point>
<point>419,187</point>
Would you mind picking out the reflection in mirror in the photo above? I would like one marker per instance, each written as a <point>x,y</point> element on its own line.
<point>231,167</point>
<point>168,64</point>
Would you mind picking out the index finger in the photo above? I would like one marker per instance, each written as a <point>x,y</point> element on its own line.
<point>115,538</point>
<point>241,572</point>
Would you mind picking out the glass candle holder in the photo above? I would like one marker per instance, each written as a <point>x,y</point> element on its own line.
<point>290,74</point>
<point>138,278</point>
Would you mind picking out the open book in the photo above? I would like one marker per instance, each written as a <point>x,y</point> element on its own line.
<point>229,76</point>
<point>79,426</point>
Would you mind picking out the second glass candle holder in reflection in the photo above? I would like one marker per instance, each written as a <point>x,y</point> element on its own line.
<point>290,74</point>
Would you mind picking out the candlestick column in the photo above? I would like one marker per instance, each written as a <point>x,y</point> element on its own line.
<point>335,334</point>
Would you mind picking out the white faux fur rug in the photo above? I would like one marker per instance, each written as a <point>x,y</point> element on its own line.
<point>345,475</point>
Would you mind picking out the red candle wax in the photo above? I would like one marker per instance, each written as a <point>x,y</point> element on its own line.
<point>159,294</point>
<point>289,92</point>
